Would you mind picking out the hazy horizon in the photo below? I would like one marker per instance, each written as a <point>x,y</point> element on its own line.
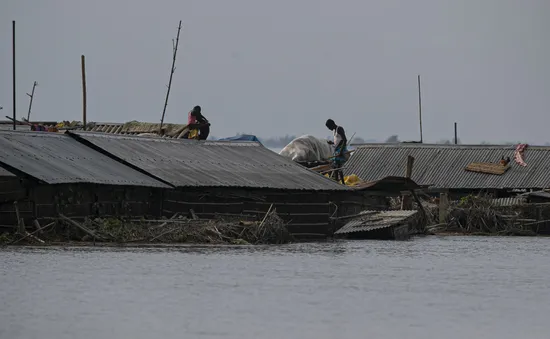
<point>283,68</point>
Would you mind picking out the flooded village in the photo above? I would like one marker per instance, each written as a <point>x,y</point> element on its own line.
<point>130,184</point>
<point>260,169</point>
<point>139,182</point>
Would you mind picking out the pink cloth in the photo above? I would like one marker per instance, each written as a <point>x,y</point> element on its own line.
<point>518,154</point>
<point>191,119</point>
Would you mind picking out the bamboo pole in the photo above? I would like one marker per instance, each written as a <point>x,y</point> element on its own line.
<point>172,70</point>
<point>420,109</point>
<point>83,64</point>
<point>30,102</point>
<point>14,96</point>
<point>456,135</point>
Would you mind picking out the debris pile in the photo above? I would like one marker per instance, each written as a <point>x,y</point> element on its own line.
<point>270,230</point>
<point>479,215</point>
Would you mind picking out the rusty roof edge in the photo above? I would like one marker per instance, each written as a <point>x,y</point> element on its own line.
<point>96,148</point>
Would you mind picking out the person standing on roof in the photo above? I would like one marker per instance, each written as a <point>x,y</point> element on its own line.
<point>340,143</point>
<point>199,127</point>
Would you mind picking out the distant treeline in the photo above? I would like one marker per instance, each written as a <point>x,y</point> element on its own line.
<point>280,142</point>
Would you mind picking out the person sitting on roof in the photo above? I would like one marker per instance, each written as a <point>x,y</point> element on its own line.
<point>340,143</point>
<point>199,127</point>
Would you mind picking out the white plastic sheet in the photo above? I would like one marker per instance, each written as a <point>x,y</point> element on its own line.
<point>307,148</point>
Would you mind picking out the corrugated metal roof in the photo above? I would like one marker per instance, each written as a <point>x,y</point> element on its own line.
<point>373,220</point>
<point>5,173</point>
<point>174,131</point>
<point>57,158</point>
<point>191,163</point>
<point>442,166</point>
<point>9,127</point>
<point>510,201</point>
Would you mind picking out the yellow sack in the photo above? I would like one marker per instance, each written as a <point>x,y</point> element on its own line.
<point>351,180</point>
<point>193,134</point>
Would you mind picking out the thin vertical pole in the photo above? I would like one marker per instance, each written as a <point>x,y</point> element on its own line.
<point>83,62</point>
<point>174,53</point>
<point>456,135</point>
<point>420,109</point>
<point>14,96</point>
<point>30,102</point>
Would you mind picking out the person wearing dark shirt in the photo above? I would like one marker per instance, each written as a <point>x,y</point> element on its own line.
<point>340,143</point>
<point>199,127</point>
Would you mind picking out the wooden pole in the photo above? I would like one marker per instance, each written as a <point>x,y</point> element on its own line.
<point>174,53</point>
<point>420,110</point>
<point>14,96</point>
<point>406,202</point>
<point>456,135</point>
<point>30,102</point>
<point>83,62</point>
<point>410,163</point>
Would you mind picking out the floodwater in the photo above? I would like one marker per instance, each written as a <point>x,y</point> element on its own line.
<point>432,287</point>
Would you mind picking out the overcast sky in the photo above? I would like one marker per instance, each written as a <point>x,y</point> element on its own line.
<point>283,67</point>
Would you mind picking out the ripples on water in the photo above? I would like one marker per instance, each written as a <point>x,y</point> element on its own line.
<point>434,287</point>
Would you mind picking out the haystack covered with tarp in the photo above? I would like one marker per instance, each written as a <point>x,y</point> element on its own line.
<point>307,148</point>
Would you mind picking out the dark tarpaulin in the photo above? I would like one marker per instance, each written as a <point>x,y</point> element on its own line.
<point>242,137</point>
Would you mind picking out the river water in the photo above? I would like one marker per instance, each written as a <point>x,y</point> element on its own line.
<point>432,287</point>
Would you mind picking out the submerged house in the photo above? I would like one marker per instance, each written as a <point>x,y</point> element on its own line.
<point>57,174</point>
<point>442,168</point>
<point>80,174</point>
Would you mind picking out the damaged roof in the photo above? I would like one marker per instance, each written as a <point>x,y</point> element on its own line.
<point>368,221</point>
<point>191,163</point>
<point>56,158</point>
<point>443,166</point>
<point>175,131</point>
<point>123,128</point>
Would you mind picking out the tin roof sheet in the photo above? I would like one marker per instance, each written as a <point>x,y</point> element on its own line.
<point>128,128</point>
<point>509,201</point>
<point>57,158</point>
<point>175,131</point>
<point>5,173</point>
<point>191,163</point>
<point>442,166</point>
<point>373,220</point>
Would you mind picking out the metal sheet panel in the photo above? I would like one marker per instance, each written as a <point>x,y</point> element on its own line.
<point>6,173</point>
<point>510,201</point>
<point>373,220</point>
<point>57,158</point>
<point>191,163</point>
<point>442,166</point>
